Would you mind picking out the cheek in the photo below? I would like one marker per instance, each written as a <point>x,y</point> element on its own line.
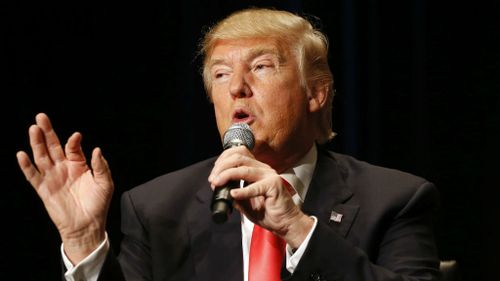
<point>219,101</point>
<point>222,113</point>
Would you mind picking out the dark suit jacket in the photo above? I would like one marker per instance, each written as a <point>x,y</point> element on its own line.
<point>385,232</point>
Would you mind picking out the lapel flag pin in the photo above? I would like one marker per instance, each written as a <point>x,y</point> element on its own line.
<point>336,217</point>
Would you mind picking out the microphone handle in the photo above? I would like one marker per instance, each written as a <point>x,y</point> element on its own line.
<point>222,202</point>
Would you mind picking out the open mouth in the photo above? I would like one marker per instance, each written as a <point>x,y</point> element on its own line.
<point>241,115</point>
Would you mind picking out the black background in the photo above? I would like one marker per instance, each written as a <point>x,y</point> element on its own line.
<point>417,89</point>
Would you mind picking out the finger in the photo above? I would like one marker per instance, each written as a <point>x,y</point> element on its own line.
<point>227,162</point>
<point>233,150</point>
<point>73,148</point>
<point>232,160</point>
<point>39,148</point>
<point>30,172</point>
<point>250,191</point>
<point>230,174</point>
<point>217,165</point>
<point>246,173</point>
<point>100,169</point>
<point>52,141</point>
<point>269,187</point>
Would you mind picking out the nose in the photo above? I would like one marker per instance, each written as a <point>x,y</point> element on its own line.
<point>238,86</point>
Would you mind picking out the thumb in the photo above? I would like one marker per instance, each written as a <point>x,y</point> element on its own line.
<point>100,169</point>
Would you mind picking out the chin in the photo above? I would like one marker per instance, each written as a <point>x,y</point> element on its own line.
<point>263,152</point>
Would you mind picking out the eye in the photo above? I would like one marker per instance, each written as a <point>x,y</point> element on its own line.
<point>220,74</point>
<point>263,65</point>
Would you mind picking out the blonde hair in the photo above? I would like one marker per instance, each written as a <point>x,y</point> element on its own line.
<point>308,43</point>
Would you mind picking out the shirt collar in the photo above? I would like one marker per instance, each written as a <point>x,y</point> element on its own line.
<point>300,175</point>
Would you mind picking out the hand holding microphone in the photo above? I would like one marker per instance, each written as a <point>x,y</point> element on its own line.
<point>266,200</point>
<point>238,134</point>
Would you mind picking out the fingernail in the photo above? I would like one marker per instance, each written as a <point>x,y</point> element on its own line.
<point>215,179</point>
<point>234,192</point>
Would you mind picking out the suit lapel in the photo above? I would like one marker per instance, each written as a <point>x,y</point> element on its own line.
<point>216,248</point>
<point>328,195</point>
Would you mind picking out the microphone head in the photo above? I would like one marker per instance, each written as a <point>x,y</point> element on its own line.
<point>239,134</point>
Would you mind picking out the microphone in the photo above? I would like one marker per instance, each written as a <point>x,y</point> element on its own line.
<point>222,202</point>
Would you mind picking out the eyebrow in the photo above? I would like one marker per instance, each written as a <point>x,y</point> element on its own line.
<point>216,62</point>
<point>252,54</point>
<point>259,51</point>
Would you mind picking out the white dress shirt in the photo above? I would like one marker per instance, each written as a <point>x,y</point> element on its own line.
<point>299,177</point>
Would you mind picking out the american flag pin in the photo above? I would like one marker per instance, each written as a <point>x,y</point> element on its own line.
<point>336,217</point>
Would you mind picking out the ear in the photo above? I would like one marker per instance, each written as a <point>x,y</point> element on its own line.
<point>318,95</point>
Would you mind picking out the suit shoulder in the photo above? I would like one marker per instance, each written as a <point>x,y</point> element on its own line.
<point>377,186</point>
<point>353,167</point>
<point>373,182</point>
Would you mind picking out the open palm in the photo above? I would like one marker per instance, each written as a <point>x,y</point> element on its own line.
<point>76,197</point>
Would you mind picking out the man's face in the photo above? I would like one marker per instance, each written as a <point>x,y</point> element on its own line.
<point>256,82</point>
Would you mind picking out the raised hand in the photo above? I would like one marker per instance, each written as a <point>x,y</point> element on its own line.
<point>76,197</point>
<point>266,201</point>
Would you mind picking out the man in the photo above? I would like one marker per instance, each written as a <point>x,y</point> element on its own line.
<point>340,218</point>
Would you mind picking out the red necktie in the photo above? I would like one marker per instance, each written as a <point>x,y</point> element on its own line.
<point>266,255</point>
